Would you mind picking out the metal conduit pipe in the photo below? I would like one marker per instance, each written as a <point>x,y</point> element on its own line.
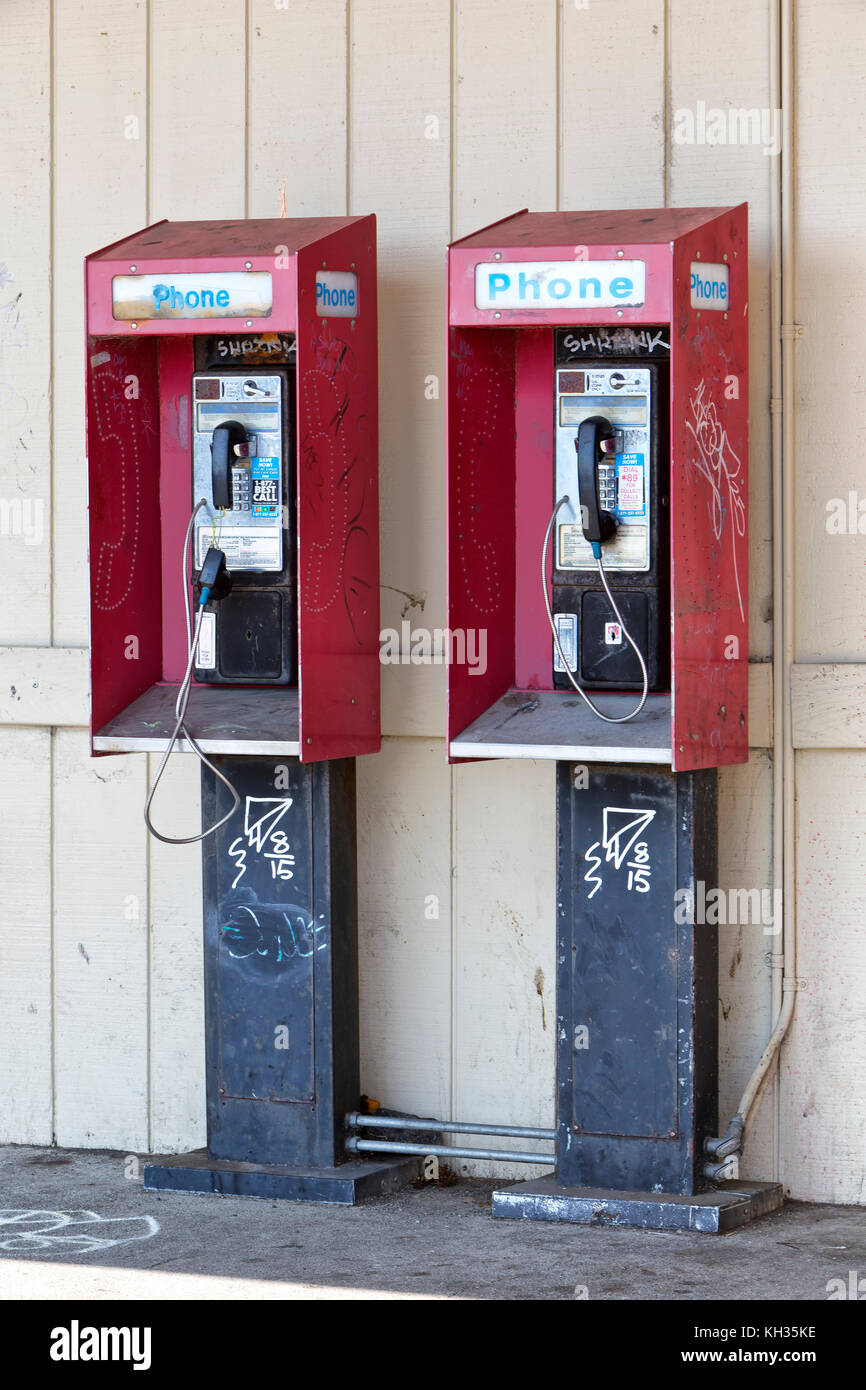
<point>785,333</point>
<point>385,1146</point>
<point>355,1120</point>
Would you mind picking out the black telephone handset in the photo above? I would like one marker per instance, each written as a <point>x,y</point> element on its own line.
<point>598,525</point>
<point>225,437</point>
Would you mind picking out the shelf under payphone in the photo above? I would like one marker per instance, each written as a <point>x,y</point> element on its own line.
<point>555,724</point>
<point>222,719</point>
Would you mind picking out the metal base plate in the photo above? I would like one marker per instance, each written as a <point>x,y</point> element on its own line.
<point>728,1206</point>
<point>343,1186</point>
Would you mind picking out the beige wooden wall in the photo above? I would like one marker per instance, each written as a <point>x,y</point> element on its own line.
<point>438,116</point>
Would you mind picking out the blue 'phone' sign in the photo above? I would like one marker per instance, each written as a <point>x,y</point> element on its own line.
<point>559,284</point>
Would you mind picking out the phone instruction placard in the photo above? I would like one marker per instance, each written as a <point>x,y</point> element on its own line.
<point>243,549</point>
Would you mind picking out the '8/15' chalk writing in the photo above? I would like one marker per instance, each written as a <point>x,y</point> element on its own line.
<point>262,836</point>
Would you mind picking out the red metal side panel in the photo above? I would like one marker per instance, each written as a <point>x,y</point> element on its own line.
<point>338,512</point>
<point>709,499</point>
<point>175,494</point>
<point>481,501</point>
<point>123,462</point>
<point>534,493</point>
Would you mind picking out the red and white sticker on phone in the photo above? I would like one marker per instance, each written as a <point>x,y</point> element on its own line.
<point>630,481</point>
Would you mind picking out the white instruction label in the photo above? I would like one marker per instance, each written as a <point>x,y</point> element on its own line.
<point>566,631</point>
<point>626,551</point>
<point>259,548</point>
<point>206,658</point>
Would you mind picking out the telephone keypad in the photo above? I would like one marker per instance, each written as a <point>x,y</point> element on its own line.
<point>241,490</point>
<point>607,486</point>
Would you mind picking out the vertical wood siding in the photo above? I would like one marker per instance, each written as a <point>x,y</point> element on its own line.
<point>438,117</point>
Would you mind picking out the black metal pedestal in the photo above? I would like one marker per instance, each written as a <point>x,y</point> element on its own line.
<point>637,991</point>
<point>281,988</point>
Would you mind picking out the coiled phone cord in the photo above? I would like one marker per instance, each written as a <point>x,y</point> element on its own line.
<point>608,718</point>
<point>180,709</point>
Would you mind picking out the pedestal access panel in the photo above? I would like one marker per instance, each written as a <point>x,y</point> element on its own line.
<point>637,980</point>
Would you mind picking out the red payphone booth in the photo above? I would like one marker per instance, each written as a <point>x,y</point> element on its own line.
<point>597,506</point>
<point>233,468</point>
<point>271,325</point>
<point>639,318</point>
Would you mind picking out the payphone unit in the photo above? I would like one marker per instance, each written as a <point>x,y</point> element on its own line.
<point>597,497</point>
<point>612,520</point>
<point>242,451</point>
<point>598,436</point>
<point>231,372</point>
<point>234,592</point>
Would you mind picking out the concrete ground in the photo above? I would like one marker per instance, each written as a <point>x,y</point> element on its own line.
<point>79,1224</point>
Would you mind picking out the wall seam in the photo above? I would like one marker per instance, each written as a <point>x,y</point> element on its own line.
<point>348,108</point>
<point>666,112</point>
<point>560,20</point>
<point>52,933</point>
<point>247,109</point>
<point>452,786</point>
<point>148,102</point>
<point>148,984</point>
<point>52,157</point>
<point>452,1011</point>
<point>52,733</point>
<point>777,560</point>
<point>452,120</point>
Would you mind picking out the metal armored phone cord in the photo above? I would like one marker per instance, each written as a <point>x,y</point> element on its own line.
<point>181,708</point>
<point>596,550</point>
